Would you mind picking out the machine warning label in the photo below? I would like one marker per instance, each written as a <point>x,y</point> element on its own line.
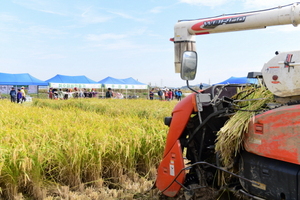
<point>272,70</point>
<point>255,141</point>
<point>172,168</point>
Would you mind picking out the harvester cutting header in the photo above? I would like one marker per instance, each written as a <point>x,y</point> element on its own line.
<point>240,138</point>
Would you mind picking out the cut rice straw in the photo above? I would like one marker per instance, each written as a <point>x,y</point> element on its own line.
<point>230,136</point>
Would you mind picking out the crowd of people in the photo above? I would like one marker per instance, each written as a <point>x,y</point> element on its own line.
<point>17,96</point>
<point>64,94</point>
<point>166,94</point>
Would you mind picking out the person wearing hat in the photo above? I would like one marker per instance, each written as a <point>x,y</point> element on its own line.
<point>13,95</point>
<point>23,94</point>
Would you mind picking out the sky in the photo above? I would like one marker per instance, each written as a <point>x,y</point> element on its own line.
<point>131,38</point>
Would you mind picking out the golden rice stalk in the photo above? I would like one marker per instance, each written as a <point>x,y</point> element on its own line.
<point>230,136</point>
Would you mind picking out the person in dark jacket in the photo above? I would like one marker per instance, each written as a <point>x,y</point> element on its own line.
<point>13,95</point>
<point>201,86</point>
<point>19,96</point>
<point>109,93</point>
<point>160,94</point>
<point>151,94</point>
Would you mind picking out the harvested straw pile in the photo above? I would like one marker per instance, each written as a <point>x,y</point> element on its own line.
<point>230,136</point>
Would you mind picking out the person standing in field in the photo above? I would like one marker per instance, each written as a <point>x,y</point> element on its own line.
<point>170,94</point>
<point>60,94</point>
<point>179,95</point>
<point>13,95</point>
<point>173,93</point>
<point>160,94</point>
<point>66,94</point>
<point>50,93</point>
<point>94,92</point>
<point>201,86</point>
<point>81,94</point>
<point>109,93</point>
<point>151,94</point>
<point>23,94</point>
<point>75,94</point>
<point>19,96</point>
<point>166,93</point>
<point>85,93</point>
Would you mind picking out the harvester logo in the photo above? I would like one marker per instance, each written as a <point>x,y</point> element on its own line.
<point>213,23</point>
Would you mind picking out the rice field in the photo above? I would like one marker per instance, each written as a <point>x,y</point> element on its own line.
<point>81,148</point>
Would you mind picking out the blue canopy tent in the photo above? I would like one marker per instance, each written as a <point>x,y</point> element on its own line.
<point>110,82</point>
<point>18,80</point>
<point>63,81</point>
<point>237,80</point>
<point>127,83</point>
<point>134,83</point>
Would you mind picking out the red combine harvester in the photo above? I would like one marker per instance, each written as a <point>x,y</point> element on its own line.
<point>268,165</point>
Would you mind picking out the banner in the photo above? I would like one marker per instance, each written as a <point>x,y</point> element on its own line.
<point>73,85</point>
<point>123,86</point>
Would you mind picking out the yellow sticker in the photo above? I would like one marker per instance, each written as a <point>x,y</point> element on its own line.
<point>259,185</point>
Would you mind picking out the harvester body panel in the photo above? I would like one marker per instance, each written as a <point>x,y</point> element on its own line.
<point>180,117</point>
<point>281,74</point>
<point>275,134</point>
<point>170,171</point>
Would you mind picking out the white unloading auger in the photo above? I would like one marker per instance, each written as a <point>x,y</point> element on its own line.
<point>186,30</point>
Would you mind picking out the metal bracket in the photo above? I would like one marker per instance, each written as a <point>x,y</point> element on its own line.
<point>202,98</point>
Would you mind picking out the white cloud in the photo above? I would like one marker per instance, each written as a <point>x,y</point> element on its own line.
<point>107,36</point>
<point>126,16</point>
<point>7,18</point>
<point>138,31</point>
<point>91,16</point>
<point>50,57</point>
<point>44,30</point>
<point>41,6</point>
<point>112,41</point>
<point>52,12</point>
<point>160,9</point>
<point>156,9</point>
<point>112,36</point>
<point>249,4</point>
<point>94,19</point>
<point>123,15</point>
<point>205,2</point>
<point>287,28</point>
<point>259,4</point>
<point>123,45</point>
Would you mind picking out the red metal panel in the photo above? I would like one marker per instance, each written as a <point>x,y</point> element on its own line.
<point>168,170</point>
<point>180,117</point>
<point>275,134</point>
